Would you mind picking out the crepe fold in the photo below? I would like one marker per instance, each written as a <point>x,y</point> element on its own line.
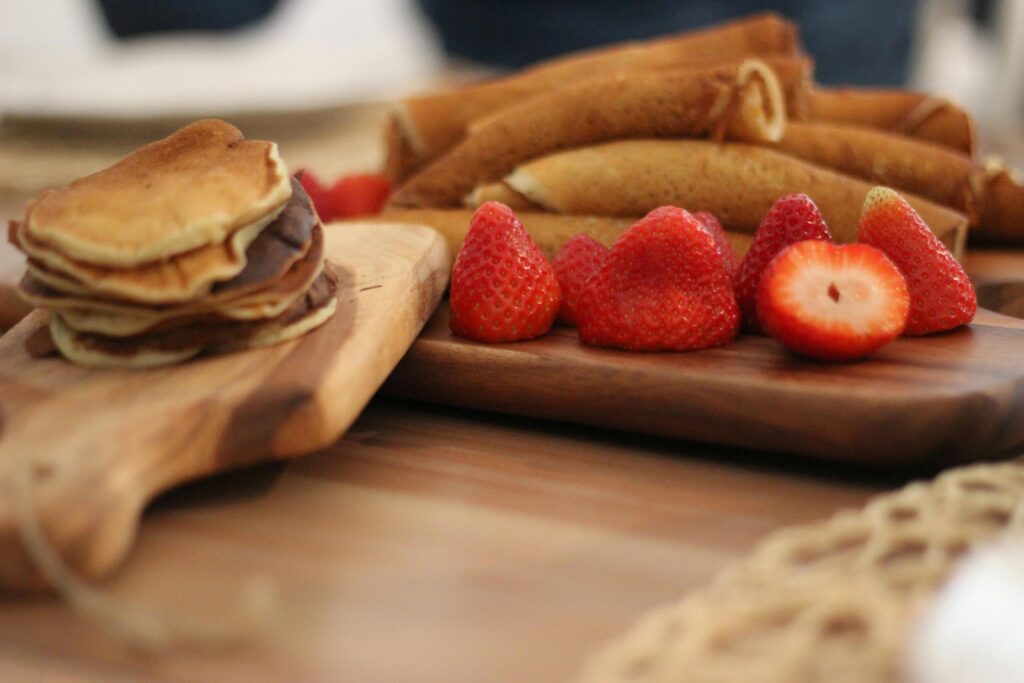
<point>739,102</point>
<point>736,182</point>
<point>424,127</point>
<point>549,230</point>
<point>989,195</point>
<point>908,113</point>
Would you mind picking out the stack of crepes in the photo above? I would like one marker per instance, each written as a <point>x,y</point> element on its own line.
<point>724,120</point>
<point>197,242</point>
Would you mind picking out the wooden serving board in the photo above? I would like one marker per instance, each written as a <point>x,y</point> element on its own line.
<point>941,399</point>
<point>104,442</point>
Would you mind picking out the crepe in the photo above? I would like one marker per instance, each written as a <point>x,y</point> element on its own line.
<point>187,191</point>
<point>171,346</point>
<point>735,102</point>
<point>286,232</point>
<point>908,113</point>
<point>549,230</point>
<point>429,125</point>
<point>990,195</point>
<point>736,182</point>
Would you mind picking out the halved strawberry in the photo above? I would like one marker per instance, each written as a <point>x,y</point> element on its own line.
<point>575,263</point>
<point>662,287</point>
<point>502,287</point>
<point>832,302</point>
<point>941,295</point>
<point>317,193</point>
<point>714,226</point>
<point>791,219</point>
<point>359,194</point>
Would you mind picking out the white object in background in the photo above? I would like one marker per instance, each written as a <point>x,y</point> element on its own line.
<point>307,54</point>
<point>982,70</point>
<point>973,630</point>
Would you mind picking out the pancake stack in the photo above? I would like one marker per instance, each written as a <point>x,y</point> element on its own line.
<point>200,242</point>
<point>724,119</point>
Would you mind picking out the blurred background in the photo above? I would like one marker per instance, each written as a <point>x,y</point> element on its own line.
<point>75,72</point>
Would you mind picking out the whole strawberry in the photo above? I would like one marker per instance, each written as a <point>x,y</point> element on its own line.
<point>714,226</point>
<point>662,287</point>
<point>575,263</point>
<point>941,295</point>
<point>791,219</point>
<point>502,287</point>
<point>832,302</point>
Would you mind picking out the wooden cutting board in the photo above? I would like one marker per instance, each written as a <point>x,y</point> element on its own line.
<point>947,398</point>
<point>103,443</point>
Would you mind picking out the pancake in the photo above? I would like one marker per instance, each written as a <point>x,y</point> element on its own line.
<point>235,300</point>
<point>736,182</point>
<point>275,249</point>
<point>182,278</point>
<point>189,190</point>
<point>171,346</point>
<point>741,101</point>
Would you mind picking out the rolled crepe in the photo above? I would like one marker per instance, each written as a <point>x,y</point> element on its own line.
<point>549,230</point>
<point>913,114</point>
<point>990,195</point>
<point>736,182</point>
<point>432,124</point>
<point>1002,214</point>
<point>742,102</point>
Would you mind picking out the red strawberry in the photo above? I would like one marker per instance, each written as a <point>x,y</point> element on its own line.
<point>575,263</point>
<point>502,288</point>
<point>941,295</point>
<point>714,226</point>
<point>831,302</point>
<point>357,195</point>
<point>791,219</point>
<point>662,286</point>
<point>317,194</point>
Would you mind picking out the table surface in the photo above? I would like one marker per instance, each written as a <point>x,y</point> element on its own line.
<point>436,544</point>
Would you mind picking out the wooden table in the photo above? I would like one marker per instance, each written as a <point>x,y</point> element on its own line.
<point>438,545</point>
<point>434,544</point>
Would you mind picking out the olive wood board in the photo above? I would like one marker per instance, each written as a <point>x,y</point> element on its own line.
<point>941,399</point>
<point>104,442</point>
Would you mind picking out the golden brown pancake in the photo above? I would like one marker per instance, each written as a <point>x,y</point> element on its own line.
<point>189,190</point>
<point>267,258</point>
<point>174,345</point>
<point>239,299</point>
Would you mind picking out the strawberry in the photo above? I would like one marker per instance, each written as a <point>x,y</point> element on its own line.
<point>714,226</point>
<point>941,295</point>
<point>502,287</point>
<point>662,286</point>
<point>575,263</point>
<point>791,219</point>
<point>361,194</point>
<point>832,302</point>
<point>317,193</point>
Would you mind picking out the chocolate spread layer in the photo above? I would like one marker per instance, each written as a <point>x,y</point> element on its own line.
<point>205,333</point>
<point>277,248</point>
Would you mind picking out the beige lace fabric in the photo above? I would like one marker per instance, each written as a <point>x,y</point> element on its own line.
<point>831,601</point>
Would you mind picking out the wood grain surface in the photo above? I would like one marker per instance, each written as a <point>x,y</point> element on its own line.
<point>436,544</point>
<point>941,399</point>
<point>103,442</point>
